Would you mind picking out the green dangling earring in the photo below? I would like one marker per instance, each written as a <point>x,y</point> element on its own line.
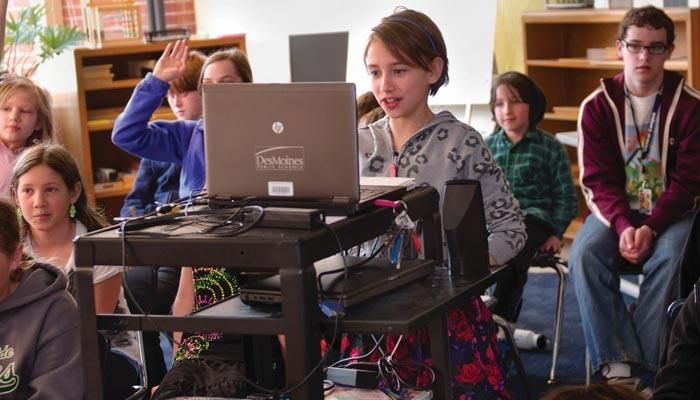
<point>72,211</point>
<point>19,213</point>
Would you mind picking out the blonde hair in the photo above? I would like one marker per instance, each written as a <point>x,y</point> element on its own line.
<point>11,84</point>
<point>10,237</point>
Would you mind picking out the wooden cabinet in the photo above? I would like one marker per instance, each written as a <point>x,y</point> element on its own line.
<point>556,45</point>
<point>106,78</point>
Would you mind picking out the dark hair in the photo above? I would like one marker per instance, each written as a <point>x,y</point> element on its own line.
<point>650,17</point>
<point>594,391</point>
<point>413,38</point>
<point>10,237</point>
<point>527,90</point>
<point>237,57</point>
<point>60,160</point>
<point>189,80</point>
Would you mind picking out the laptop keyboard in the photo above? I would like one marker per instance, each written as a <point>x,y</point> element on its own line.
<point>368,192</point>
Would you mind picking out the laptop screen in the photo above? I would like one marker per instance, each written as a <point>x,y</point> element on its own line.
<point>283,141</point>
<point>318,57</point>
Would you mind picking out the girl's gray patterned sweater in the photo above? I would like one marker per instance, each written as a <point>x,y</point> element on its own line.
<point>447,149</point>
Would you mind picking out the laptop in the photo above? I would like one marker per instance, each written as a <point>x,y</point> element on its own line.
<point>375,277</point>
<point>285,145</point>
<point>318,57</point>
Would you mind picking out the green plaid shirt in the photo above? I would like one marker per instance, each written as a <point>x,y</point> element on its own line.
<point>539,173</point>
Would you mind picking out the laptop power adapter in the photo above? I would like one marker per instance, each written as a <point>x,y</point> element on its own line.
<point>299,218</point>
<point>364,375</point>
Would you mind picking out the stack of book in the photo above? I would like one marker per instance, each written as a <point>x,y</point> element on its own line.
<point>601,54</point>
<point>97,75</point>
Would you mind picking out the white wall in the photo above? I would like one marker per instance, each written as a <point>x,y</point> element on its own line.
<point>467,25</point>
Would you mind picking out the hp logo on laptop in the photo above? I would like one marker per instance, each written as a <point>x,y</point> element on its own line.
<point>277,127</point>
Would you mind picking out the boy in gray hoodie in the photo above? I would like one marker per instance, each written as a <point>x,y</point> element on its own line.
<point>39,337</point>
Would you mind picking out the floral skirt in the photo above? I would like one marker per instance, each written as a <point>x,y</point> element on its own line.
<point>477,370</point>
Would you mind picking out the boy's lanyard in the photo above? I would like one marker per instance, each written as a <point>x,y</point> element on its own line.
<point>643,149</point>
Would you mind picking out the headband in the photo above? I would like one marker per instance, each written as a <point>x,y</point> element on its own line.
<point>414,23</point>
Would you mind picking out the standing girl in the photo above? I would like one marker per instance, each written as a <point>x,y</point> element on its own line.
<point>25,119</point>
<point>407,61</point>
<point>180,142</point>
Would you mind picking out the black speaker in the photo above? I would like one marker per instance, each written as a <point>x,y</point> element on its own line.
<point>465,229</point>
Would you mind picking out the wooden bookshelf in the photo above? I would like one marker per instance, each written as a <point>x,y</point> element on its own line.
<point>680,65</point>
<point>102,96</point>
<point>556,43</point>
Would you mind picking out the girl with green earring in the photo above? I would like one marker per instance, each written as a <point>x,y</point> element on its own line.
<point>48,190</point>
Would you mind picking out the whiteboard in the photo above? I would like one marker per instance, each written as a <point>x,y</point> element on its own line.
<point>468,27</point>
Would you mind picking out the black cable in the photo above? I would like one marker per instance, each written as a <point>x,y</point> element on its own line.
<point>128,289</point>
<point>276,394</point>
<point>243,228</point>
<point>124,232</point>
<point>196,218</point>
<point>346,268</point>
<point>214,223</point>
<point>335,325</point>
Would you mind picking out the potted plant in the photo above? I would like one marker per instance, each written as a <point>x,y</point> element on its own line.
<point>25,32</point>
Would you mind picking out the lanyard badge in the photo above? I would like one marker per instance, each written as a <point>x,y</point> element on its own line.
<point>645,203</point>
<point>644,193</point>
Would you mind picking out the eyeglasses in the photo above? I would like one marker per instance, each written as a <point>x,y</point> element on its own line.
<point>656,48</point>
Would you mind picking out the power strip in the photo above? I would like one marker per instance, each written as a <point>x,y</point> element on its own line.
<point>299,218</point>
<point>359,375</point>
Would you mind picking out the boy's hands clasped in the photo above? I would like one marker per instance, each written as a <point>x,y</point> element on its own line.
<point>172,64</point>
<point>635,244</point>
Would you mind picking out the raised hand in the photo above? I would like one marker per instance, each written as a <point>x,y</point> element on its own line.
<point>171,65</point>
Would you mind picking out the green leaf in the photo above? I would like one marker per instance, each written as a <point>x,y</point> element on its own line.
<point>27,27</point>
<point>53,40</point>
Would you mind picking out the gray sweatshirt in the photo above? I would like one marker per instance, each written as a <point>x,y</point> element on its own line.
<point>447,149</point>
<point>40,339</point>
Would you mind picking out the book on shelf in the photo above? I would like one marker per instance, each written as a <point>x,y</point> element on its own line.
<point>603,53</point>
<point>566,111</point>
<point>97,71</point>
<point>105,186</point>
<point>103,119</point>
<point>92,83</point>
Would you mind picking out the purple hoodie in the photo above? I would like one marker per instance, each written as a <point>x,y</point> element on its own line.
<point>601,163</point>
